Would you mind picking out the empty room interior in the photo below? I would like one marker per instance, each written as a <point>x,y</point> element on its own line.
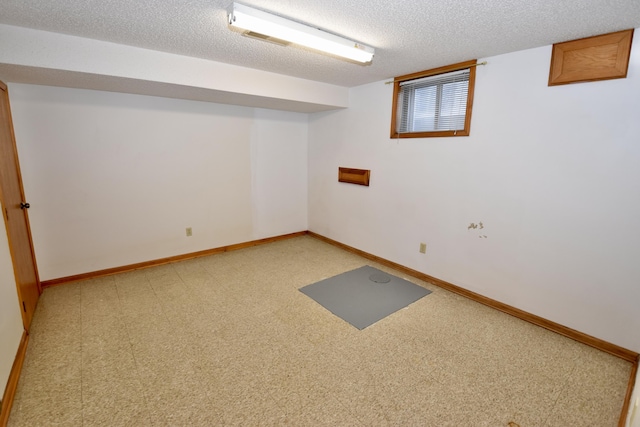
<point>207,222</point>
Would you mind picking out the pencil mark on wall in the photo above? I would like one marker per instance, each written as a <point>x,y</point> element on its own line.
<point>478,226</point>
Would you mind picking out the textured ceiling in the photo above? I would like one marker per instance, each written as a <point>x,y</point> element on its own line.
<point>408,36</point>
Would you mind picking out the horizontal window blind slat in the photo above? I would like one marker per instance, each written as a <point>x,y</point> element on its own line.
<point>454,75</point>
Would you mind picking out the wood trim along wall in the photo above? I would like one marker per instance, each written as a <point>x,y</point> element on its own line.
<point>597,343</point>
<point>12,382</point>
<point>605,346</point>
<point>168,260</point>
<point>627,398</point>
<point>583,338</point>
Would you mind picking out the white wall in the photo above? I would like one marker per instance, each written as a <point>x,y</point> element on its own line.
<point>279,172</point>
<point>114,179</point>
<point>10,319</point>
<point>551,172</point>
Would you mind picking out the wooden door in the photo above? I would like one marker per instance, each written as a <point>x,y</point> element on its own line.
<point>15,215</point>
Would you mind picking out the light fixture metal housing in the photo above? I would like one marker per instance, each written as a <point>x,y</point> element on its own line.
<point>256,21</point>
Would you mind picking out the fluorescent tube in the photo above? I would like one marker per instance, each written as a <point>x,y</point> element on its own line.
<point>257,21</point>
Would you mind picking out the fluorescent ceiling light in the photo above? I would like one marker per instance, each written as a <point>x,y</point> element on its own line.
<point>257,21</point>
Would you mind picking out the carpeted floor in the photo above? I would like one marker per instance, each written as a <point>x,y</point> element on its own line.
<point>229,339</point>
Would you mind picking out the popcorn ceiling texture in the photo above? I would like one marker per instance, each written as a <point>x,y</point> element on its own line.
<point>229,340</point>
<point>408,36</point>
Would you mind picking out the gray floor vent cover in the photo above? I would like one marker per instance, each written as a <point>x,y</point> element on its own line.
<point>364,295</point>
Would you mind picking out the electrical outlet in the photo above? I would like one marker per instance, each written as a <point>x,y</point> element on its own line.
<point>423,248</point>
<point>189,232</point>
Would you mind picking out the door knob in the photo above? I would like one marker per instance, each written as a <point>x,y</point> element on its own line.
<point>24,205</point>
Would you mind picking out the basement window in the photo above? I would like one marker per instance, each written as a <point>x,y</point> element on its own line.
<point>434,103</point>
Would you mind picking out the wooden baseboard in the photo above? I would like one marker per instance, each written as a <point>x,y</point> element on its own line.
<point>605,346</point>
<point>602,345</point>
<point>627,397</point>
<point>153,263</point>
<point>12,382</point>
<point>608,347</point>
<point>598,343</point>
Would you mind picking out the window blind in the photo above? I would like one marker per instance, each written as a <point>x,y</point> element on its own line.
<point>434,103</point>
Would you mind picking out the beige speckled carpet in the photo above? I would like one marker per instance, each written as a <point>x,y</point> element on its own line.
<point>228,339</point>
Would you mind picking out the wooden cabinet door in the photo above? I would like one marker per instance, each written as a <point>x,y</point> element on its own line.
<point>16,217</point>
